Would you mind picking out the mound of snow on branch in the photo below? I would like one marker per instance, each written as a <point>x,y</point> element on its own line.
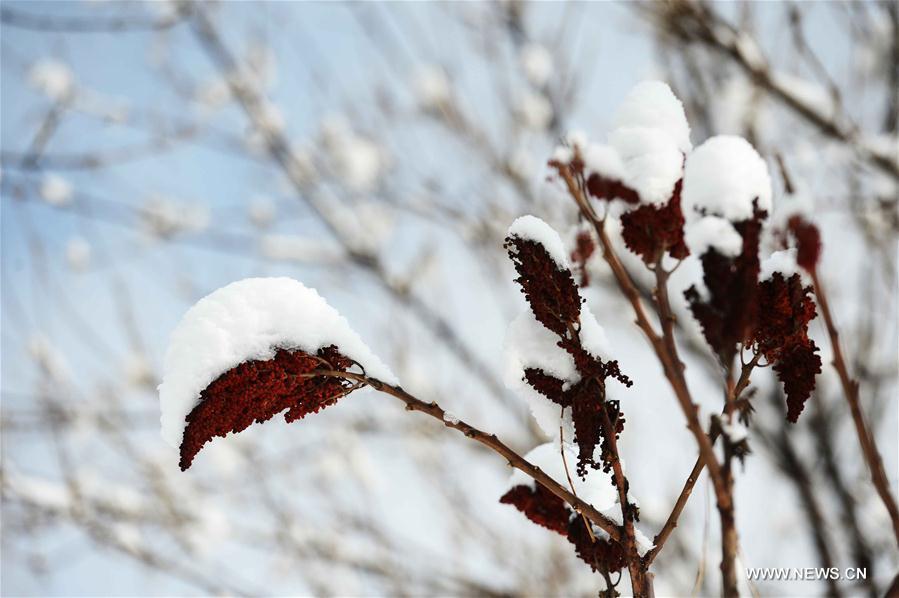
<point>652,105</point>
<point>531,228</point>
<point>782,262</point>
<point>723,176</point>
<point>646,146</point>
<point>652,160</point>
<point>248,320</point>
<point>715,233</point>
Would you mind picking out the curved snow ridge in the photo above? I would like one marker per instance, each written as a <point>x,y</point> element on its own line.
<point>652,104</point>
<point>782,262</point>
<point>716,233</point>
<point>531,228</point>
<point>723,177</point>
<point>249,320</point>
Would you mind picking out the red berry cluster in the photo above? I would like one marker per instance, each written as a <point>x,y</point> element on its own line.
<point>728,314</point>
<point>546,509</point>
<point>651,230</point>
<point>255,391</point>
<point>554,299</point>
<point>648,230</point>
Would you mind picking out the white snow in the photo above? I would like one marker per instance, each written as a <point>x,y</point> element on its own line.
<point>270,118</point>
<point>750,50</point>
<point>78,254</point>
<point>811,94</point>
<point>534,111</point>
<point>52,78</point>
<point>49,358</point>
<point>529,345</point>
<point>646,145</point>
<point>302,166</point>
<point>138,371</point>
<point>563,154</point>
<point>248,320</point>
<point>359,161</point>
<point>432,87</point>
<point>165,216</point>
<point>537,63</point>
<point>596,489</point>
<point>644,544</point>
<point>213,93</point>
<point>603,160</point>
<point>735,431</point>
<point>783,262</point>
<point>713,232</point>
<point>450,418</point>
<point>723,176</point>
<point>652,105</point>
<point>46,493</point>
<point>576,139</point>
<point>531,228</point>
<point>652,159</point>
<point>522,164</point>
<point>56,190</point>
<point>261,211</point>
<point>593,337</point>
<point>296,248</point>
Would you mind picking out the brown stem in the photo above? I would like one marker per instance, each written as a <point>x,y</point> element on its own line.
<point>664,346</point>
<point>489,440</point>
<point>587,523</point>
<point>634,562</point>
<point>721,476</point>
<point>692,478</point>
<point>729,539</point>
<point>850,390</point>
<point>728,545</point>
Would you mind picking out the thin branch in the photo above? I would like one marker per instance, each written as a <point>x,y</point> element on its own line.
<point>64,24</point>
<point>692,478</point>
<point>489,440</point>
<point>698,22</point>
<point>850,390</point>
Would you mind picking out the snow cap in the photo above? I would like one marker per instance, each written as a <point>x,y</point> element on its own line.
<point>531,228</point>
<point>782,262</point>
<point>249,320</point>
<point>716,233</point>
<point>723,176</point>
<point>652,105</point>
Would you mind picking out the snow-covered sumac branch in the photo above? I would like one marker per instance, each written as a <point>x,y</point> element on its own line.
<point>260,347</point>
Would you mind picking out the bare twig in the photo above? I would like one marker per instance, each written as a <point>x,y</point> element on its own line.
<point>489,440</point>
<point>850,390</point>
